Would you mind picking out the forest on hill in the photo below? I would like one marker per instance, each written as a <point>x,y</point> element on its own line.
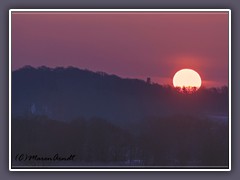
<point>105,120</point>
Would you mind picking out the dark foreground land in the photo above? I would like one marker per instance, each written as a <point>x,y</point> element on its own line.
<point>175,141</point>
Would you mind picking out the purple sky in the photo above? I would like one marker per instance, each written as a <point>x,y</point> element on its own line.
<point>134,45</point>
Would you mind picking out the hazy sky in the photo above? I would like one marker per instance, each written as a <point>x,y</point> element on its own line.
<point>134,45</point>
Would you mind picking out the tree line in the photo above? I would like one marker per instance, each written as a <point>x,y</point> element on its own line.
<point>166,141</point>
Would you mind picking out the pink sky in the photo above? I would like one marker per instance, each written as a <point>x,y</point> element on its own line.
<point>133,45</point>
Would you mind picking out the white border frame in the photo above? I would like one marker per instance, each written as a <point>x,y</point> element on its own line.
<point>119,10</point>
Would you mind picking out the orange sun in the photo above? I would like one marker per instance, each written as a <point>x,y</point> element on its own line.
<point>187,81</point>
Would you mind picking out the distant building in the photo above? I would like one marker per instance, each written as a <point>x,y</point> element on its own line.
<point>33,109</point>
<point>149,80</point>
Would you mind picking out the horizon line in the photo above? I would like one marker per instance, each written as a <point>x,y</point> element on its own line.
<point>109,74</point>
